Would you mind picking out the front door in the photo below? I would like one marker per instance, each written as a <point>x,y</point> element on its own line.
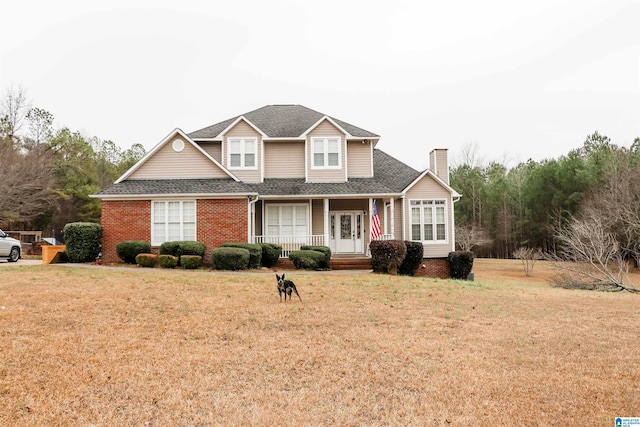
<point>346,232</point>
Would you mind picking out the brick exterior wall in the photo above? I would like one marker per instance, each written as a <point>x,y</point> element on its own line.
<point>124,220</point>
<point>221,221</point>
<point>218,221</point>
<point>434,267</point>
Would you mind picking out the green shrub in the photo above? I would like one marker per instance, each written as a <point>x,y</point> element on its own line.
<point>326,262</point>
<point>128,250</point>
<point>191,261</point>
<point>387,255</point>
<point>255,252</point>
<point>83,241</point>
<point>147,260</point>
<point>270,254</point>
<point>307,259</point>
<point>230,258</point>
<point>413,259</point>
<point>460,264</point>
<point>168,261</point>
<point>182,247</point>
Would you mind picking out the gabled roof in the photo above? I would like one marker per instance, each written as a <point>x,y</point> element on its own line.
<point>169,137</point>
<point>281,121</point>
<point>391,176</point>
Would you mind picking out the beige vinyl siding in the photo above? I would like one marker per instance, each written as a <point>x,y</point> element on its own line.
<point>439,163</point>
<point>359,158</point>
<point>214,149</point>
<point>169,164</point>
<point>244,130</point>
<point>284,159</point>
<point>317,217</point>
<point>325,129</point>
<point>428,189</point>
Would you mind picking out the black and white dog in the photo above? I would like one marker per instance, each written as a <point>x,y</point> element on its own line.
<point>286,287</point>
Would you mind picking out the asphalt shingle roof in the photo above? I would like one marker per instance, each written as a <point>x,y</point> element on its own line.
<point>281,121</point>
<point>390,177</point>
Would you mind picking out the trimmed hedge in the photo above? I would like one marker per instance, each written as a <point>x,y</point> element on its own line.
<point>230,258</point>
<point>460,264</point>
<point>270,254</point>
<point>83,241</point>
<point>168,261</point>
<point>326,262</point>
<point>413,259</point>
<point>255,252</point>
<point>387,255</point>
<point>307,259</point>
<point>182,247</point>
<point>147,260</point>
<point>190,262</point>
<point>129,250</point>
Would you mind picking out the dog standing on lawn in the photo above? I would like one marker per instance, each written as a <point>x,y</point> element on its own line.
<point>286,287</point>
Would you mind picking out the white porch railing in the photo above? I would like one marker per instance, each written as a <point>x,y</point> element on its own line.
<point>291,243</point>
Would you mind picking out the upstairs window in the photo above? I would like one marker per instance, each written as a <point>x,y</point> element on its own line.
<point>242,153</point>
<point>326,153</point>
<point>428,221</point>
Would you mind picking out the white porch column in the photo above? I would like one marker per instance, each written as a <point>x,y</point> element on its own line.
<point>326,222</point>
<point>392,219</point>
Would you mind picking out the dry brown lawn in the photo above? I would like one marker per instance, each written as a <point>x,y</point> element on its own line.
<point>134,347</point>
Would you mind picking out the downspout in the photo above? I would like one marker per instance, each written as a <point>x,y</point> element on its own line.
<point>453,224</point>
<point>251,217</point>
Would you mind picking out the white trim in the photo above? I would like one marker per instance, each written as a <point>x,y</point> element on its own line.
<point>235,122</point>
<point>346,160</point>
<point>154,240</point>
<point>453,192</point>
<point>326,152</point>
<point>330,120</point>
<point>156,196</point>
<point>243,152</point>
<point>265,218</point>
<point>435,240</point>
<point>161,144</point>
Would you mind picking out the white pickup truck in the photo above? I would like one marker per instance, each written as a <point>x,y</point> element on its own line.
<point>10,248</point>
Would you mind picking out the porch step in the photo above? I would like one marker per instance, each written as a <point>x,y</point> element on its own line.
<point>363,263</point>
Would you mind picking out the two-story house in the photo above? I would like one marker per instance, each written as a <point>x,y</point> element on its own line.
<point>284,174</point>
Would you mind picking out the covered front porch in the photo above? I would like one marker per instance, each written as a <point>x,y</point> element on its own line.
<point>344,225</point>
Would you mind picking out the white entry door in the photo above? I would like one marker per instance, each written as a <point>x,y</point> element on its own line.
<point>347,232</point>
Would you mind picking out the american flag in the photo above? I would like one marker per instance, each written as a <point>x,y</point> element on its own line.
<point>376,232</point>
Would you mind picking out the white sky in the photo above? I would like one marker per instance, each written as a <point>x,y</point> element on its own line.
<point>514,79</point>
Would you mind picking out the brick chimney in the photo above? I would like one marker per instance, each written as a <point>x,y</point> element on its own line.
<point>439,163</point>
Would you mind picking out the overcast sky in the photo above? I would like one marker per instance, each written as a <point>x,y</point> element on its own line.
<point>514,79</point>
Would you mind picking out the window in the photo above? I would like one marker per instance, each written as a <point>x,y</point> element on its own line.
<point>326,153</point>
<point>287,220</point>
<point>242,153</point>
<point>173,220</point>
<point>428,221</point>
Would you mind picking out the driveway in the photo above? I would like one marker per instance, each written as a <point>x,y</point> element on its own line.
<point>5,263</point>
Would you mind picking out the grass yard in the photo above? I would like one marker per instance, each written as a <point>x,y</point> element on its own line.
<point>132,347</point>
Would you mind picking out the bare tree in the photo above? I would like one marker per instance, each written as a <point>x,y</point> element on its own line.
<point>470,236</point>
<point>591,257</point>
<point>14,107</point>
<point>27,182</point>
<point>528,256</point>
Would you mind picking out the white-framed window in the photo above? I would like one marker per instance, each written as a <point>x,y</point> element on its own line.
<point>172,220</point>
<point>326,153</point>
<point>287,220</point>
<point>242,153</point>
<point>429,221</point>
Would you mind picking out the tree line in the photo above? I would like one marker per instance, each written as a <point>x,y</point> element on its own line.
<point>48,174</point>
<point>532,204</point>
